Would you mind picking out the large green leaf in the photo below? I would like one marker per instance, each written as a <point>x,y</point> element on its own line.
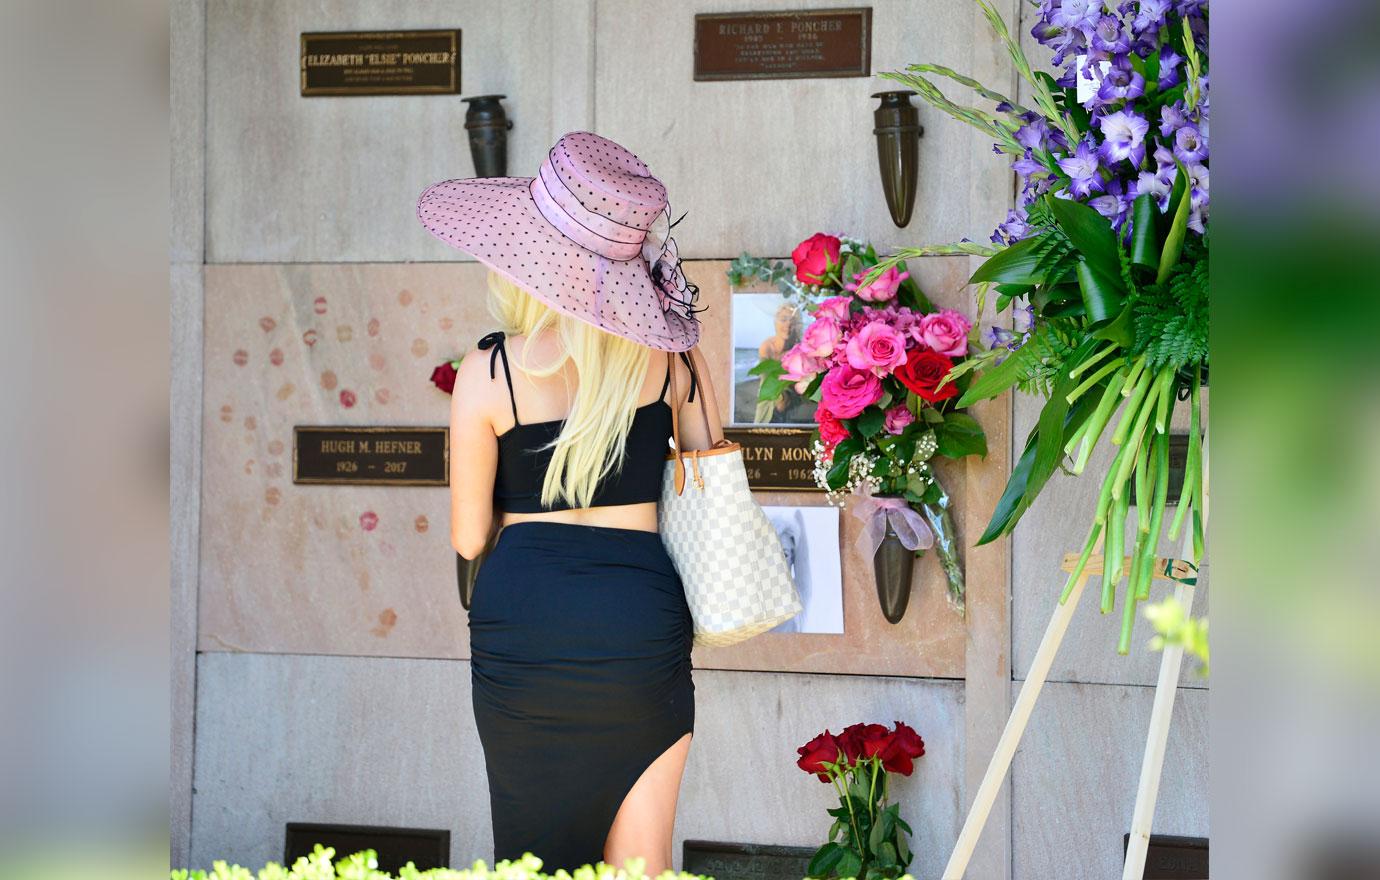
<point>1103,296</point>
<point>825,859</point>
<point>1017,264</point>
<point>999,378</point>
<point>1090,232</point>
<point>960,435</point>
<point>871,421</point>
<point>1178,228</point>
<point>1145,238</point>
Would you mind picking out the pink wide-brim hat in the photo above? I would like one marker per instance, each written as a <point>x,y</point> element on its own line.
<point>576,236</point>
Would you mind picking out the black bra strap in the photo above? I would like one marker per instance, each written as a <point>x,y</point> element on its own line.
<point>666,384</point>
<point>494,340</point>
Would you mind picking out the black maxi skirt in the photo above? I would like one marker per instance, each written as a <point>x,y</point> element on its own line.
<point>580,639</point>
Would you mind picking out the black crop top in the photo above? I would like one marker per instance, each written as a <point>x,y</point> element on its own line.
<point>522,463</point>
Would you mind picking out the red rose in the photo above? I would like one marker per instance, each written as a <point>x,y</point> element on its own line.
<point>817,751</point>
<point>831,430</point>
<point>923,371</point>
<point>862,740</point>
<point>813,256</point>
<point>904,745</point>
<point>444,377</point>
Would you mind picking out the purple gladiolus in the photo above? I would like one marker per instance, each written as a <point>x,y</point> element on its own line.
<point>1120,81</point>
<point>1169,68</point>
<point>1083,170</point>
<point>1172,118</point>
<point>1189,145</point>
<point>1028,165</point>
<point>1125,137</point>
<point>1077,15</point>
<point>1160,188</point>
<point>1108,38</point>
<point>1115,204</point>
<point>1149,15</point>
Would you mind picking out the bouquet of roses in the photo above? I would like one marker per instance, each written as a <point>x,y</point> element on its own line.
<point>875,356</point>
<point>1105,258</point>
<point>868,837</point>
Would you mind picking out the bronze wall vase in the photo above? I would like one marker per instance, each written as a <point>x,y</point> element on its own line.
<point>898,133</point>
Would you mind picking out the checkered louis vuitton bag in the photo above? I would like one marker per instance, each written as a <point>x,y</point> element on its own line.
<point>725,549</point>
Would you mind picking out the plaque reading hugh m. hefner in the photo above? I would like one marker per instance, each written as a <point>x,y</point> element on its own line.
<point>381,63</point>
<point>371,456</point>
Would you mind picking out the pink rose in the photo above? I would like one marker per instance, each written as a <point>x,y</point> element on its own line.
<point>831,430</point>
<point>877,347</point>
<point>897,418</point>
<point>946,332</point>
<point>835,307</point>
<point>814,256</point>
<point>847,391</point>
<point>883,288</point>
<point>821,337</point>
<point>799,364</point>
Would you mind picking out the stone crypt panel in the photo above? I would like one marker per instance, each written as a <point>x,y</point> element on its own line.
<point>368,569</point>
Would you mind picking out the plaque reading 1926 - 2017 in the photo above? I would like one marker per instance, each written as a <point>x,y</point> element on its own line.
<point>783,45</point>
<point>777,458</point>
<point>371,456</point>
<point>381,63</point>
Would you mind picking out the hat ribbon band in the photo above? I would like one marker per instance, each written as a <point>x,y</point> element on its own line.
<point>572,228</point>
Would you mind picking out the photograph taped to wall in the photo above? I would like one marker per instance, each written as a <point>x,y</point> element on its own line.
<point>810,539</point>
<point>765,325</point>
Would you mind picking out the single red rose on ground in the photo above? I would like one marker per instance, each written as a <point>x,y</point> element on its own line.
<point>923,371</point>
<point>814,753</point>
<point>444,377</point>
<point>813,256</point>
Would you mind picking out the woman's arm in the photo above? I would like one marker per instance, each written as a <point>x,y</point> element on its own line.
<point>473,457</point>
<point>693,431</point>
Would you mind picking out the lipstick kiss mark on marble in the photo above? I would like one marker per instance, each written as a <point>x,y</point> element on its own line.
<point>420,347</point>
<point>388,618</point>
<point>241,357</point>
<point>309,338</point>
<point>383,395</point>
<point>250,423</point>
<point>447,323</point>
<point>421,524</point>
<point>404,298</point>
<point>328,380</point>
<point>227,414</point>
<point>372,328</point>
<point>267,324</point>
<point>273,496</point>
<point>368,520</point>
<point>273,469</point>
<point>387,549</point>
<point>275,357</point>
<point>376,360</point>
<point>249,467</point>
<point>319,305</point>
<point>344,332</point>
<point>286,391</point>
<point>347,398</point>
<point>275,447</point>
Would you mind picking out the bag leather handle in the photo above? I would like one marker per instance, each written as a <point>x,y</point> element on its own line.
<point>675,423</point>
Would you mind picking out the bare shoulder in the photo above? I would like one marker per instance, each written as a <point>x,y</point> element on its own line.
<point>474,389</point>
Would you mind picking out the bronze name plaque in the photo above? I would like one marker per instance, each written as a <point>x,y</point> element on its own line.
<point>783,45</point>
<point>371,456</point>
<point>745,861</point>
<point>777,458</point>
<point>381,63</point>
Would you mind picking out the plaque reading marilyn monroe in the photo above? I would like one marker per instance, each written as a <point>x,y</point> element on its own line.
<point>783,45</point>
<point>381,63</point>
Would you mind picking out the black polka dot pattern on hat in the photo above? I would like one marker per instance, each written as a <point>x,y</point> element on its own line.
<point>495,220</point>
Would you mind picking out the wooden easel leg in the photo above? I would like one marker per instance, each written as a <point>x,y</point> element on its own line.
<point>1011,734</point>
<point>1152,766</point>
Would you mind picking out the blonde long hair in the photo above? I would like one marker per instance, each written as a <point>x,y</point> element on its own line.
<point>611,369</point>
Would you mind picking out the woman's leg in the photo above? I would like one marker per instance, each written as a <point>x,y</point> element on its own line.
<point>646,818</point>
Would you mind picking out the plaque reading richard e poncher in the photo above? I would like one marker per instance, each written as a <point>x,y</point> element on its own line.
<point>783,45</point>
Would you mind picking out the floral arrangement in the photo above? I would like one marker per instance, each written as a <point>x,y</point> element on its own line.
<point>868,837</point>
<point>321,865</point>
<point>874,357</point>
<point>1105,259</point>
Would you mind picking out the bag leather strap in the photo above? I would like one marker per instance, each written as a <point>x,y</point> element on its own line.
<point>675,424</point>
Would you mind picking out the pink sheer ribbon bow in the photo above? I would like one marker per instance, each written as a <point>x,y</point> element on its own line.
<point>876,513</point>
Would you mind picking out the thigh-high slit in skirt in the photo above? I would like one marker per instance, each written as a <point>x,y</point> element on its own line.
<point>580,638</point>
